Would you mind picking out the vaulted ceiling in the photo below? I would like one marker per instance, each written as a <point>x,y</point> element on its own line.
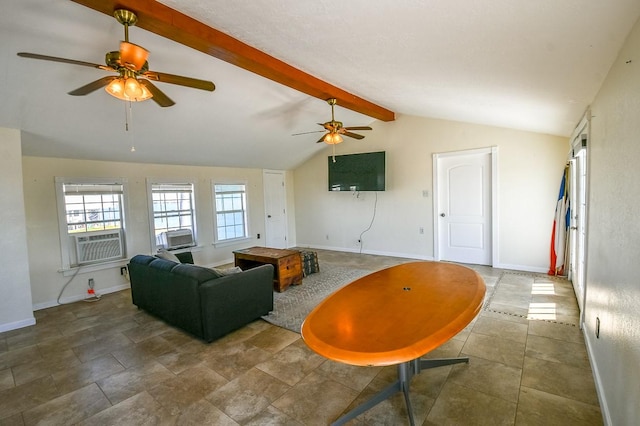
<point>530,65</point>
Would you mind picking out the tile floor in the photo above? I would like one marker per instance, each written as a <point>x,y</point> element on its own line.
<point>108,363</point>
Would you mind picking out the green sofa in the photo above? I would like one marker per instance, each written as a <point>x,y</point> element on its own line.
<point>200,300</point>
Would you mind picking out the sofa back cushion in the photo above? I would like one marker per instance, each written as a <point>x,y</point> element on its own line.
<point>141,259</point>
<point>197,273</point>
<point>164,254</point>
<point>162,264</point>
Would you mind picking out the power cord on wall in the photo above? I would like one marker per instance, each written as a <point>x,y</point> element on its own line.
<point>373,217</point>
<point>65,286</point>
<point>93,298</point>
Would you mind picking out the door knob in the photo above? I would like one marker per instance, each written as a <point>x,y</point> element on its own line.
<point>442,214</point>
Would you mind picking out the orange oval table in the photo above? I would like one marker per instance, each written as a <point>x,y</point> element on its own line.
<point>393,317</point>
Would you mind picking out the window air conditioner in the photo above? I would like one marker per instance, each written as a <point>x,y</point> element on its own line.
<point>97,246</point>
<point>177,239</point>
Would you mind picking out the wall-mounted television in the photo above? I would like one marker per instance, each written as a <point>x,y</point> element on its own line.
<point>357,172</point>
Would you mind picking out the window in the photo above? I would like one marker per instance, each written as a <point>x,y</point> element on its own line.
<point>92,207</point>
<point>230,211</point>
<point>91,221</point>
<point>173,208</point>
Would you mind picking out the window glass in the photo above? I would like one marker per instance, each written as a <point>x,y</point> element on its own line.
<point>173,208</point>
<point>92,207</point>
<point>231,211</point>
<point>92,228</point>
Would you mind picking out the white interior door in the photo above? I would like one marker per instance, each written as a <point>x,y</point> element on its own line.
<point>578,231</point>
<point>275,209</point>
<point>463,206</point>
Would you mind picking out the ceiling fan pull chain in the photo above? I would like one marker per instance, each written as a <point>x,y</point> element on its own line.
<point>128,118</point>
<point>133,146</point>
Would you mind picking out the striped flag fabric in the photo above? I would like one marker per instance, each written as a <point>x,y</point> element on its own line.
<point>560,228</point>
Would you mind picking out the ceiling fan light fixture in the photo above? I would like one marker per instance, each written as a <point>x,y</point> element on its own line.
<point>132,88</point>
<point>128,89</point>
<point>133,56</point>
<point>333,138</point>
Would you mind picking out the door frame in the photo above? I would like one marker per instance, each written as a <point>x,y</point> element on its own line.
<point>283,173</point>
<point>579,141</point>
<point>493,153</point>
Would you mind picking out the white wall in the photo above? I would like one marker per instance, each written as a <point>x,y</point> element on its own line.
<point>42,220</point>
<point>530,167</point>
<point>613,247</point>
<point>15,291</point>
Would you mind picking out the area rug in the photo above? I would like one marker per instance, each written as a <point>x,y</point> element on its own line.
<point>292,306</point>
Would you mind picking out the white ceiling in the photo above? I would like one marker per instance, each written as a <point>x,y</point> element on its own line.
<point>530,65</point>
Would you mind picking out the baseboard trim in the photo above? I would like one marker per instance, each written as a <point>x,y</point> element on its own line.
<point>17,324</point>
<point>78,298</point>
<point>374,252</point>
<point>524,268</point>
<point>604,408</point>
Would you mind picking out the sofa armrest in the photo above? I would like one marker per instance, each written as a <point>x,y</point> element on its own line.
<point>232,301</point>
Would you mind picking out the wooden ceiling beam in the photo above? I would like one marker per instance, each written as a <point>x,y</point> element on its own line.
<point>176,26</point>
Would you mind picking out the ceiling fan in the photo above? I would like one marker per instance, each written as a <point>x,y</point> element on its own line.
<point>132,82</point>
<point>335,129</point>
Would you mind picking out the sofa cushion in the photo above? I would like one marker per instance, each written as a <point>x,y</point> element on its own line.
<point>197,273</point>
<point>162,264</point>
<point>227,271</point>
<point>167,255</point>
<point>142,259</point>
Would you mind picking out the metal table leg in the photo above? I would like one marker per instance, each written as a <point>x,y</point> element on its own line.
<point>406,371</point>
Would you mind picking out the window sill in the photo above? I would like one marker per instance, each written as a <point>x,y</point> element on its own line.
<point>73,270</point>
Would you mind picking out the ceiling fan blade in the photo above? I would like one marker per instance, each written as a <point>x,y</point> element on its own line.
<point>321,139</point>
<point>353,135</point>
<point>63,60</point>
<point>358,128</point>
<point>306,133</point>
<point>93,86</point>
<point>158,95</point>
<point>180,80</point>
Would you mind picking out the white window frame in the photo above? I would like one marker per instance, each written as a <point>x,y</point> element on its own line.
<point>152,229</point>
<point>229,241</point>
<point>66,246</point>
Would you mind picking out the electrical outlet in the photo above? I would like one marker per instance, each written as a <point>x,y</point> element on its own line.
<point>421,230</point>
<point>258,236</point>
<point>90,283</point>
<point>123,270</point>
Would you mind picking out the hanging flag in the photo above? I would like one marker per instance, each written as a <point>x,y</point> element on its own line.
<point>560,228</point>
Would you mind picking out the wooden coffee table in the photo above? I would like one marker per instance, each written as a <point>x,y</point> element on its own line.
<point>287,264</point>
<point>393,317</point>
